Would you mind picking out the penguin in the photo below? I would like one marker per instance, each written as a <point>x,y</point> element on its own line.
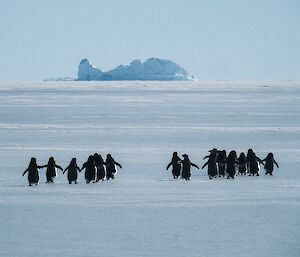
<point>51,172</point>
<point>100,166</point>
<point>90,170</point>
<point>33,172</point>
<point>176,166</point>
<point>212,168</point>
<point>111,168</point>
<point>231,165</point>
<point>72,171</point>
<point>269,164</point>
<point>254,162</point>
<point>186,167</point>
<point>249,153</point>
<point>221,161</point>
<point>242,163</point>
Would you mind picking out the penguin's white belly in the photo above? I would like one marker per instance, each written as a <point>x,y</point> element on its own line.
<point>116,169</point>
<point>105,172</point>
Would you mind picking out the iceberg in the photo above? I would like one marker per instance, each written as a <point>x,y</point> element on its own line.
<point>152,69</point>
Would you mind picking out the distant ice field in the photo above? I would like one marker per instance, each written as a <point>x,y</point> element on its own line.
<point>144,212</point>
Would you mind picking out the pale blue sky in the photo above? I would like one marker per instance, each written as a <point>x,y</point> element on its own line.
<point>213,40</point>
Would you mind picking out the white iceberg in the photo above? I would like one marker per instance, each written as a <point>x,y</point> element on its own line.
<point>151,69</point>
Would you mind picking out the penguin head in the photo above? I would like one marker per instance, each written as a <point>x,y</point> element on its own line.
<point>33,161</point>
<point>232,154</point>
<point>213,153</point>
<point>51,160</point>
<point>91,158</point>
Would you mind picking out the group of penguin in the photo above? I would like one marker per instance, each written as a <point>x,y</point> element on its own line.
<point>218,165</point>
<point>221,165</point>
<point>95,170</point>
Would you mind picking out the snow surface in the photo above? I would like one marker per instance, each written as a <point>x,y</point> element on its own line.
<point>144,212</point>
<point>151,69</point>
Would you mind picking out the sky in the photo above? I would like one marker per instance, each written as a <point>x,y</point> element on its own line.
<point>212,39</point>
